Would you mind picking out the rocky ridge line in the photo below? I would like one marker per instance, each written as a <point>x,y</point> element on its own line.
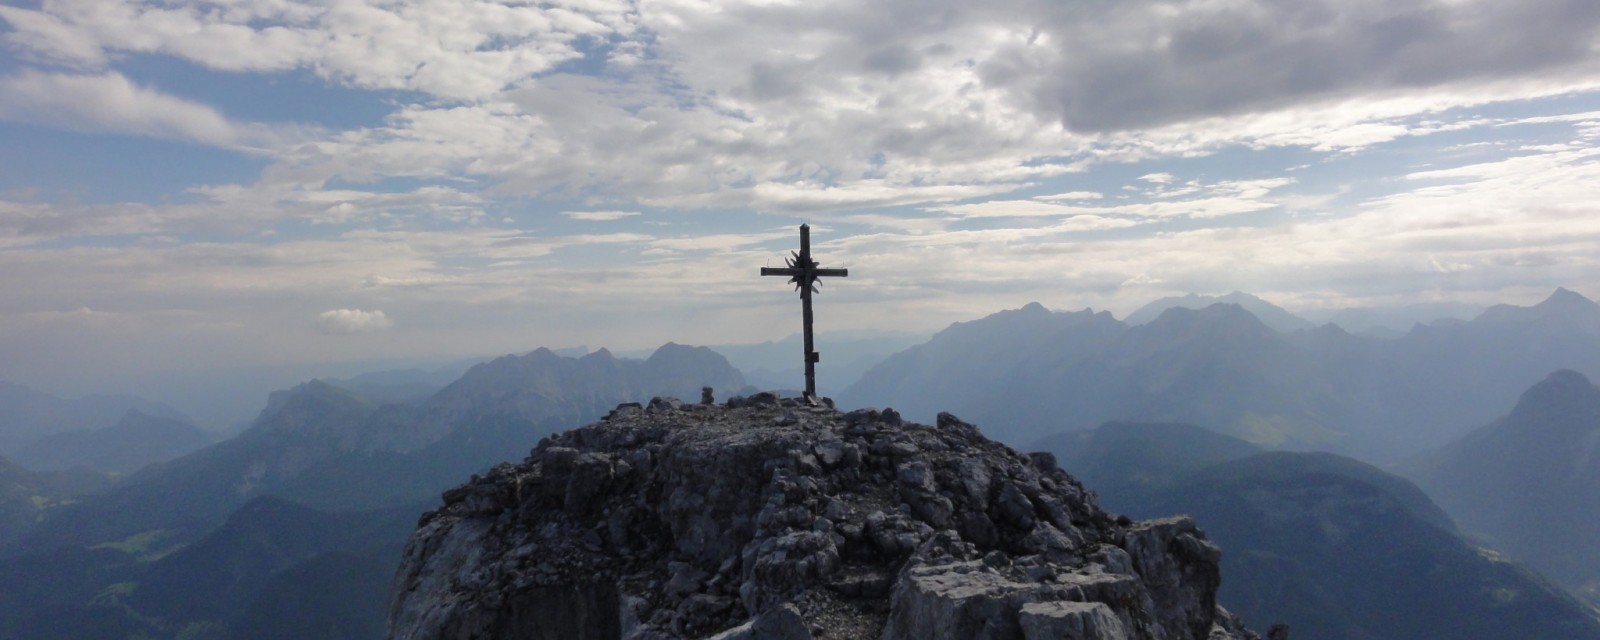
<point>770,518</point>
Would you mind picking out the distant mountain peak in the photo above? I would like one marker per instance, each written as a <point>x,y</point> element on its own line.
<point>1527,480</point>
<point>1222,314</point>
<point>1566,377</point>
<point>1565,299</point>
<point>671,347</point>
<point>1241,296</point>
<point>542,353</point>
<point>1564,303</point>
<point>674,352</point>
<point>309,405</point>
<point>1273,316</point>
<point>1030,310</point>
<point>1560,391</point>
<point>309,389</point>
<point>135,418</point>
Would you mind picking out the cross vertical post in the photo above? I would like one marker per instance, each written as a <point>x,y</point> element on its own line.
<point>804,274</point>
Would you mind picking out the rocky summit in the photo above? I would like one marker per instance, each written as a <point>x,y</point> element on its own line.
<point>767,517</point>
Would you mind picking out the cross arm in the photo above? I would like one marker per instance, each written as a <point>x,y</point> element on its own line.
<point>779,271</point>
<point>838,273</point>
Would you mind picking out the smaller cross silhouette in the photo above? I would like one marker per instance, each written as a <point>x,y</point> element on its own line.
<point>803,272</point>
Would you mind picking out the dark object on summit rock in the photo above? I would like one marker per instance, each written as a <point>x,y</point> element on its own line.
<point>773,518</point>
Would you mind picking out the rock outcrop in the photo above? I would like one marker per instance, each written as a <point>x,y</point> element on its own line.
<point>770,518</point>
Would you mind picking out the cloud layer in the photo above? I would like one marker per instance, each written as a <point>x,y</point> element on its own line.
<point>109,103</point>
<point>346,321</point>
<point>541,173</point>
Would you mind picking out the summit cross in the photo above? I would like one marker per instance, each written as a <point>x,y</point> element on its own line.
<point>803,272</point>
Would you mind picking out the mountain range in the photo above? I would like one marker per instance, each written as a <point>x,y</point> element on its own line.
<point>134,442</point>
<point>1269,314</point>
<point>289,527</point>
<point>331,448</point>
<point>26,495</point>
<point>846,355</point>
<point>1330,546</point>
<point>273,569</point>
<point>27,415</point>
<point>1529,482</point>
<point>234,540</point>
<point>1378,322</point>
<point>1041,372</point>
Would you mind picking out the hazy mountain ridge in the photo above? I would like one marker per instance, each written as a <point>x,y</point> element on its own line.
<point>333,449</point>
<point>494,412</point>
<point>546,389</point>
<point>1222,367</point>
<point>1530,481</point>
<point>27,415</point>
<point>134,442</point>
<point>846,355</point>
<point>1270,314</point>
<point>209,589</point>
<point>402,386</point>
<point>1339,549</point>
<point>1395,321</point>
<point>969,367</point>
<point>25,495</point>
<point>1331,546</point>
<point>321,445</point>
<point>192,494</point>
<point>1064,371</point>
<point>1129,464</point>
<point>1450,376</point>
<point>221,576</point>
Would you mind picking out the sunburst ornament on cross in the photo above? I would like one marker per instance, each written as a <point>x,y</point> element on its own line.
<point>804,273</point>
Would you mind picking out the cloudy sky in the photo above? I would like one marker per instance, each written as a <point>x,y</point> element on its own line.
<point>191,183</point>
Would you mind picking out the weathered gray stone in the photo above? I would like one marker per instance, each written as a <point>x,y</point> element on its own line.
<point>1180,570</point>
<point>778,623</point>
<point>772,518</point>
<point>1070,621</point>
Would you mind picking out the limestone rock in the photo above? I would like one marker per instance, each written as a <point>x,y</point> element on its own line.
<point>769,517</point>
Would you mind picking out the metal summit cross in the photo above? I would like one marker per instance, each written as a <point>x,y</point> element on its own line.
<point>803,272</point>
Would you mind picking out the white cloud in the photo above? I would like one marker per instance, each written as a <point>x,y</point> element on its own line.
<point>919,129</point>
<point>1072,195</point>
<point>718,242</point>
<point>599,216</point>
<point>1224,198</point>
<point>110,103</point>
<point>347,321</point>
<point>457,49</point>
<point>861,106</point>
<point>707,112</point>
<point>236,209</point>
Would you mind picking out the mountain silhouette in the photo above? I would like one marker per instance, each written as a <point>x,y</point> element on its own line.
<point>1530,481</point>
<point>1270,314</point>
<point>225,540</point>
<point>1338,549</point>
<point>135,441</point>
<point>1039,372</point>
<point>27,415</point>
<point>1333,547</point>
